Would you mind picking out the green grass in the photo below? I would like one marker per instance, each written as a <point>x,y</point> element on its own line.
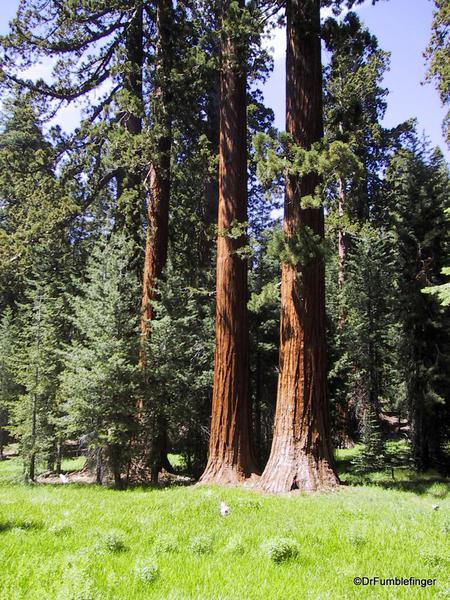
<point>86,542</point>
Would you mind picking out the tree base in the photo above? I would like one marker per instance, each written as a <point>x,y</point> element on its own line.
<point>304,473</point>
<point>217,473</point>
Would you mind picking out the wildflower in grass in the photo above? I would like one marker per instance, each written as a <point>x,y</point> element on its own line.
<point>60,528</point>
<point>249,504</point>
<point>235,545</point>
<point>201,544</point>
<point>224,509</point>
<point>165,544</point>
<point>146,571</point>
<point>281,549</point>
<point>78,586</point>
<point>111,542</point>
<point>356,539</point>
<point>446,527</point>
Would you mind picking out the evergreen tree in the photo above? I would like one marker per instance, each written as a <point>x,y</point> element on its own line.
<point>418,183</point>
<point>442,292</point>
<point>34,202</point>
<point>100,378</point>
<point>9,388</point>
<point>372,336</point>
<point>37,365</point>
<point>264,309</point>
<point>180,369</point>
<point>438,54</point>
<point>373,455</point>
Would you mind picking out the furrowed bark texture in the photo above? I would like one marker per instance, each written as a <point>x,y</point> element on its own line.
<point>301,456</point>
<point>230,458</point>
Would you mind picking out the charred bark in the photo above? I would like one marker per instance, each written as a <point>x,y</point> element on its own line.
<point>231,459</point>
<point>301,456</point>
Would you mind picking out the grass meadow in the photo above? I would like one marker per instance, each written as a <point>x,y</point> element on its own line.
<point>83,542</point>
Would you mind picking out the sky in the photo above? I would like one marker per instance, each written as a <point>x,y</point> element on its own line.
<point>402,28</point>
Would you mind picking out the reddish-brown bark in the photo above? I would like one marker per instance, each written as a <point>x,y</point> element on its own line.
<point>301,456</point>
<point>151,445</point>
<point>230,458</point>
<point>158,177</point>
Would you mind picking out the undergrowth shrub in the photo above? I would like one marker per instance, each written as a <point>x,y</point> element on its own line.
<point>280,550</point>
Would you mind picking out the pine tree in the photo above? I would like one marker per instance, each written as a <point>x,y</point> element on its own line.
<point>418,188</point>
<point>373,455</point>
<point>438,54</point>
<point>35,203</point>
<point>100,378</point>
<point>372,336</point>
<point>264,311</point>
<point>9,388</point>
<point>180,369</point>
<point>37,365</point>
<point>442,292</point>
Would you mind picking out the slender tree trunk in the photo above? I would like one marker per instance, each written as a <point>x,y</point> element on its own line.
<point>59,453</point>
<point>34,402</point>
<point>343,412</point>
<point>301,456</point>
<point>230,458</point>
<point>257,427</point>
<point>159,175</point>
<point>3,433</point>
<point>342,246</point>
<point>32,463</point>
<point>129,181</point>
<point>153,455</point>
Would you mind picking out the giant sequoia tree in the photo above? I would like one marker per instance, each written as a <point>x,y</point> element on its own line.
<point>170,102</point>
<point>230,458</point>
<point>301,456</point>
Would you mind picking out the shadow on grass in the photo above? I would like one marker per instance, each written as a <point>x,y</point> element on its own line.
<point>437,487</point>
<point>26,525</point>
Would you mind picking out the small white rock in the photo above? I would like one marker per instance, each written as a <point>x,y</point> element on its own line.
<point>224,509</point>
<point>63,478</point>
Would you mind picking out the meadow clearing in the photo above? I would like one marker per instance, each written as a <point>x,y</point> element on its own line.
<point>82,542</point>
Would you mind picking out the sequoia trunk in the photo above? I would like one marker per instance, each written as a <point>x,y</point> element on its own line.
<point>301,456</point>
<point>230,458</point>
